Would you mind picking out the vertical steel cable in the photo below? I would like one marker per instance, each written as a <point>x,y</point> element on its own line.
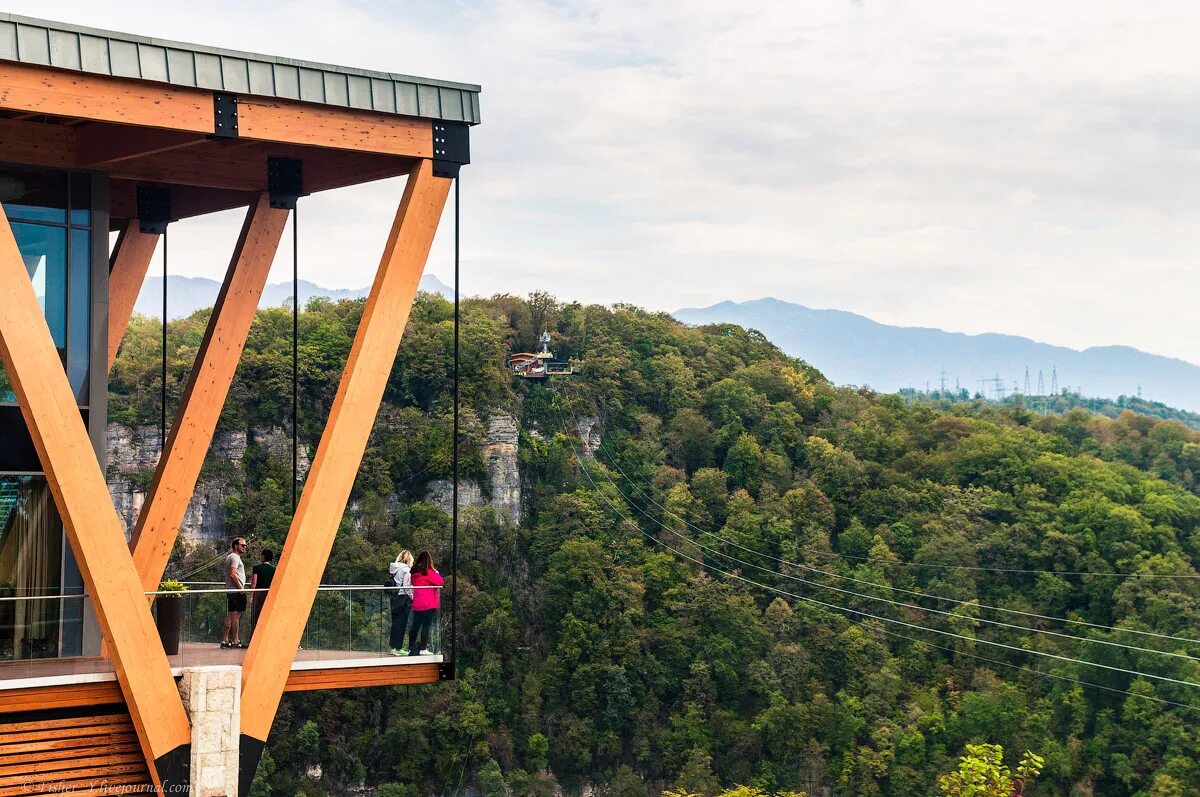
<point>295,353</point>
<point>454,457</point>
<point>162,429</point>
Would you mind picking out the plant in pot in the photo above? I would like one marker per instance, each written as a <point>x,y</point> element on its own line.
<point>169,607</point>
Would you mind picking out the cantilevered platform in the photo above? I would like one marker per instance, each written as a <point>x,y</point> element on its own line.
<point>61,683</point>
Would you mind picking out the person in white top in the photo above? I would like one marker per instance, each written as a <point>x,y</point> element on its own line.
<point>401,599</point>
<point>235,596</point>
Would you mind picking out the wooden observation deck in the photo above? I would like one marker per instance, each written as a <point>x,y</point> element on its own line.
<point>146,133</point>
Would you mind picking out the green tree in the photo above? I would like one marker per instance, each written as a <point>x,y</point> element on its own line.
<point>982,773</point>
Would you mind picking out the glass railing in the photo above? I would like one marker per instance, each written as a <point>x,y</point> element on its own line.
<point>345,622</point>
<point>44,635</point>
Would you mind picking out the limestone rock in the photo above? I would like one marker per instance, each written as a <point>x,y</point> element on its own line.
<point>589,435</point>
<point>439,492</point>
<point>503,473</point>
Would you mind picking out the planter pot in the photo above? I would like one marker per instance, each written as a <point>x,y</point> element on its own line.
<point>169,610</point>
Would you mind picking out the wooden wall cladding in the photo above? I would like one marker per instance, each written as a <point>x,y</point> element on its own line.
<point>90,754</point>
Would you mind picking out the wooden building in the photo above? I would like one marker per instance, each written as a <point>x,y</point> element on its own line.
<point>104,132</point>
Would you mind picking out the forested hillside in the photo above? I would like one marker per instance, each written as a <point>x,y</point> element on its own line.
<point>654,621</point>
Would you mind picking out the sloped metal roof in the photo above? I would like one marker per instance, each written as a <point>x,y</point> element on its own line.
<point>63,46</point>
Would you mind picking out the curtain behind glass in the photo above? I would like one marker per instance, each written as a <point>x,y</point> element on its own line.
<point>30,563</point>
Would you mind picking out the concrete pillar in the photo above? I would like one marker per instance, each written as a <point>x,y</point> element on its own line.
<point>212,697</point>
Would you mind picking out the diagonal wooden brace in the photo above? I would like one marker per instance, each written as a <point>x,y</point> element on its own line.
<point>206,390</point>
<point>92,526</point>
<point>339,454</point>
<point>126,273</point>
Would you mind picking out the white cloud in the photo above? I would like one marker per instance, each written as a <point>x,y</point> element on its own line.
<point>1022,167</point>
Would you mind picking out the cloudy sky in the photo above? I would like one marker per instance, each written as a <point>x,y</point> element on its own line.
<point>1022,167</point>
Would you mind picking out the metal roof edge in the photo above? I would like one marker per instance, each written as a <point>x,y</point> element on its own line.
<point>221,51</point>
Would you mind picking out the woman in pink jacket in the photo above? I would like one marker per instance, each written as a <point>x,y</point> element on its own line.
<point>425,603</point>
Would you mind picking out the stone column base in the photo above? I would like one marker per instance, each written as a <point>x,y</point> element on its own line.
<point>212,697</point>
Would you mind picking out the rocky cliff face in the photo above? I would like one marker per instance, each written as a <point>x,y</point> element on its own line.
<point>589,435</point>
<point>501,457</point>
<point>440,493</point>
<point>133,455</point>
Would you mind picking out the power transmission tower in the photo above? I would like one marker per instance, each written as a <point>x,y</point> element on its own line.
<point>1054,381</point>
<point>942,387</point>
<point>1027,380</point>
<point>1041,383</point>
<point>998,384</point>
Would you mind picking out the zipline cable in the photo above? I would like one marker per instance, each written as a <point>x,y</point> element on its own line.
<point>836,607</point>
<point>898,635</point>
<point>915,564</point>
<point>875,583</point>
<point>897,603</point>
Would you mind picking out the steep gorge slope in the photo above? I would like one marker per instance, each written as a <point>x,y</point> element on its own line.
<point>614,640</point>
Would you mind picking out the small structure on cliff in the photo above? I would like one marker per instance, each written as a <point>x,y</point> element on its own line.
<point>538,365</point>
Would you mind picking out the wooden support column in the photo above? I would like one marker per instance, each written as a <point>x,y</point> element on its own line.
<point>126,273</point>
<point>339,454</point>
<point>207,387</point>
<point>92,527</point>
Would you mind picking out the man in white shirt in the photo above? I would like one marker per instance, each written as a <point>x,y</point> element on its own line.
<point>235,597</point>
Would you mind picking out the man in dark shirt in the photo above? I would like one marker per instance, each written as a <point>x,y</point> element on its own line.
<point>260,578</point>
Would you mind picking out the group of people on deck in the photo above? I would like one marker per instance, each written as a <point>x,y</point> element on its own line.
<point>412,590</point>
<point>416,594</point>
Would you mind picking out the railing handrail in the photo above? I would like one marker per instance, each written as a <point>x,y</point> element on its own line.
<point>224,591</point>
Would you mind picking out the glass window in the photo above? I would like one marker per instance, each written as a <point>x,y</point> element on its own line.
<point>34,195</point>
<point>80,315</point>
<point>44,250</point>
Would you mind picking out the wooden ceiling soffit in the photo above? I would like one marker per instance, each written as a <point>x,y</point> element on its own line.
<point>244,168</point>
<point>186,202</point>
<point>90,521</point>
<point>36,142</point>
<point>327,487</point>
<point>100,146</point>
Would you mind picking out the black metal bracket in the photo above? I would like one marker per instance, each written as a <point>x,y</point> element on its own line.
<point>225,115</point>
<point>285,181</point>
<point>154,208</point>
<point>447,671</point>
<point>451,148</point>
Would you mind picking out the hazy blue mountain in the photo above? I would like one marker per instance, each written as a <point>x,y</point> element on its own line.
<point>852,349</point>
<point>186,295</point>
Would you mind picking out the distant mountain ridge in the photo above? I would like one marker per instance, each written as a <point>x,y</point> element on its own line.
<point>852,349</point>
<point>186,295</point>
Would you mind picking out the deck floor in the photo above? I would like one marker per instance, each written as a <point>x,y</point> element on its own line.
<point>195,654</point>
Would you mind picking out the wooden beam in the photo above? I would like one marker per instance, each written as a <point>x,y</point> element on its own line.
<point>92,527</point>
<point>358,677</point>
<point>85,97</point>
<point>36,142</point>
<point>100,145</point>
<point>337,128</point>
<point>207,386</point>
<point>126,273</point>
<point>79,95</point>
<point>310,538</point>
